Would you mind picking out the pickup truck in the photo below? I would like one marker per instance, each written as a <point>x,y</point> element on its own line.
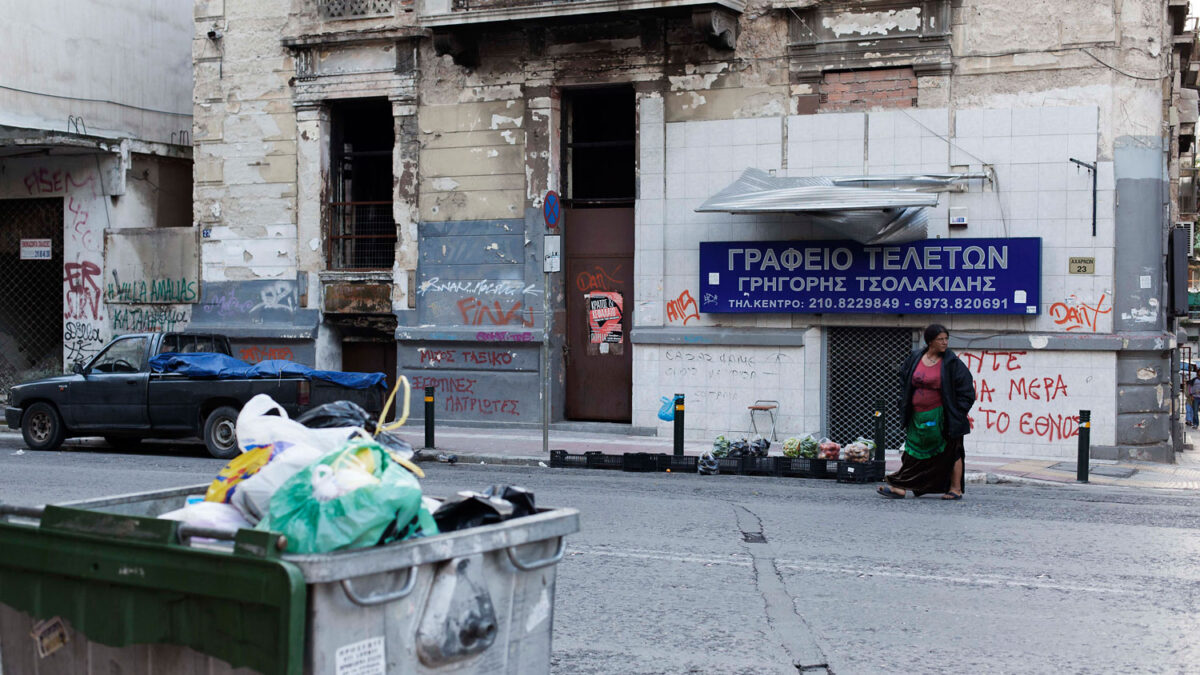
<point>117,395</point>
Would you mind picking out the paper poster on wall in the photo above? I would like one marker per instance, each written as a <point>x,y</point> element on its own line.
<point>605,335</point>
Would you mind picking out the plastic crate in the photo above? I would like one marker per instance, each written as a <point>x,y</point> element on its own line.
<point>860,472</point>
<point>796,467</point>
<point>678,463</point>
<point>599,460</point>
<point>760,466</point>
<point>824,468</point>
<point>640,461</point>
<point>729,465</point>
<point>561,459</point>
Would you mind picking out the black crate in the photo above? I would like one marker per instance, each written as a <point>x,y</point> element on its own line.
<point>860,472</point>
<point>729,465</point>
<point>599,460</point>
<point>759,466</point>
<point>796,467</point>
<point>561,459</point>
<point>640,461</point>
<point>678,463</point>
<point>824,468</point>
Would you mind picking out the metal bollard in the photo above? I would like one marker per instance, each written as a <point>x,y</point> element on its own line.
<point>429,417</point>
<point>879,435</point>
<point>1085,446</point>
<point>678,425</point>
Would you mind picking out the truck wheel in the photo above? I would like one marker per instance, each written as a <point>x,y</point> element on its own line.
<point>220,433</point>
<point>42,427</point>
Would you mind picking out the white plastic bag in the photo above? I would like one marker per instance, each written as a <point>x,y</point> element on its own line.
<point>255,492</point>
<point>209,514</point>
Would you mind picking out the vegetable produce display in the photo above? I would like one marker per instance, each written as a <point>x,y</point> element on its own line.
<point>856,452</point>
<point>828,449</point>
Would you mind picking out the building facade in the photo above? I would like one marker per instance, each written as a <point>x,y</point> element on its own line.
<point>96,235</point>
<point>372,182</point>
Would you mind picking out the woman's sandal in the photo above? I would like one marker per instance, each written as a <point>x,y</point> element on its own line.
<point>887,491</point>
<point>949,496</point>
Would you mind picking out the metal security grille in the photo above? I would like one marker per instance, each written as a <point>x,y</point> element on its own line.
<point>863,367</point>
<point>362,235</point>
<point>31,312</point>
<point>353,9</point>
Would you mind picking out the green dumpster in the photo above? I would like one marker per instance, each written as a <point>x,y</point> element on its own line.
<point>104,586</point>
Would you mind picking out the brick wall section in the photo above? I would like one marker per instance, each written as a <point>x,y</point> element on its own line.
<point>869,90</point>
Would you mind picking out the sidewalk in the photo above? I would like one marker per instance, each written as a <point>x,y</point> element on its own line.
<point>524,446</point>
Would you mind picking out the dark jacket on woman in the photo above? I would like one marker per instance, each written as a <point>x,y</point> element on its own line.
<point>958,392</point>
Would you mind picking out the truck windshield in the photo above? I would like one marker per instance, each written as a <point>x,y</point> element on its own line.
<point>123,356</point>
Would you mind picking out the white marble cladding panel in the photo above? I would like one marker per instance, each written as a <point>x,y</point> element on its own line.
<point>1028,402</point>
<point>1037,192</point>
<point>719,383</point>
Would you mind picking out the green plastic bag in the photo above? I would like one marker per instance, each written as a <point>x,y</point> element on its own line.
<point>385,508</point>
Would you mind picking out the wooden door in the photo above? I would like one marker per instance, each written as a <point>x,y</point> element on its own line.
<point>598,284</point>
<point>373,357</point>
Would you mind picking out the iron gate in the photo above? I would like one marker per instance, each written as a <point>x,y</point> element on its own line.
<point>864,366</point>
<point>31,308</point>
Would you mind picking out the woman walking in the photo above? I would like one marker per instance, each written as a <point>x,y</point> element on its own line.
<point>938,393</point>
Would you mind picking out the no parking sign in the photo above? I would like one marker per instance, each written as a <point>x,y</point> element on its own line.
<point>552,209</point>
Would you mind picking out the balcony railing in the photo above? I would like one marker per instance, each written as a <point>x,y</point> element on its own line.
<point>361,235</point>
<point>355,9</point>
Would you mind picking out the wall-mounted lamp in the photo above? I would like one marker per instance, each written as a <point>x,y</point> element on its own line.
<point>214,34</point>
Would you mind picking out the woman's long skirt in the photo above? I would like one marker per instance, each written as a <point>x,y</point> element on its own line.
<point>933,474</point>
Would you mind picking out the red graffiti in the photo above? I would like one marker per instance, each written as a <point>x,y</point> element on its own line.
<point>476,313</point>
<point>83,234</point>
<point>995,360</point>
<point>261,353</point>
<point>437,355</point>
<point>1037,388</point>
<point>1050,427</point>
<point>483,406</point>
<point>488,358</point>
<point>454,385</point>
<point>597,279</point>
<point>83,291</point>
<point>983,393</point>
<point>1078,314</point>
<point>679,308</point>
<point>43,181</point>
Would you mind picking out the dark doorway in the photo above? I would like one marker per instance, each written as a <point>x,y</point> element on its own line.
<point>599,188</point>
<point>33,331</point>
<point>361,230</point>
<point>372,357</point>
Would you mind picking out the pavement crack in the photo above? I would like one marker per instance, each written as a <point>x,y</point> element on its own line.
<point>790,629</point>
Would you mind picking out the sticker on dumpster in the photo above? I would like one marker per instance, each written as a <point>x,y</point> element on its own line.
<point>49,636</point>
<point>362,658</point>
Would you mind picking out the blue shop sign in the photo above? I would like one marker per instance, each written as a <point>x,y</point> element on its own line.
<point>932,276</point>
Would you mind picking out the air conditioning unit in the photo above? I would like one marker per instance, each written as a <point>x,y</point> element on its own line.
<point>1191,238</point>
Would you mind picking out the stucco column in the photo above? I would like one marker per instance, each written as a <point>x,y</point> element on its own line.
<point>312,167</point>
<point>405,202</point>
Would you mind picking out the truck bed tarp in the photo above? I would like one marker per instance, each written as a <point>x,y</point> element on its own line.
<point>224,367</point>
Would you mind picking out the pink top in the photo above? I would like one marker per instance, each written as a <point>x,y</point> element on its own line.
<point>927,386</point>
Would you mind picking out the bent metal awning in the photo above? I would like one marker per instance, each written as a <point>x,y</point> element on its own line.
<point>867,209</point>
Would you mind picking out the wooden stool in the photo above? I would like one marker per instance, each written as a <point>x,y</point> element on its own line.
<point>767,406</point>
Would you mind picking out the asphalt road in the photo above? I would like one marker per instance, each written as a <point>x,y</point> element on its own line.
<point>690,574</point>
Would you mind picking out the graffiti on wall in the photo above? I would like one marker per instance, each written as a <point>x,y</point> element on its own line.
<point>476,312</point>
<point>148,319</point>
<point>150,290</point>
<point>682,308</point>
<point>251,302</point>
<point>257,353</point>
<point>458,395</point>
<point>1075,314</point>
<point>472,357</point>
<point>85,327</point>
<point>598,278</point>
<point>1016,398</point>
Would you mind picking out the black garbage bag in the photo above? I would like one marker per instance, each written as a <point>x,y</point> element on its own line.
<point>739,448</point>
<point>351,414</point>
<point>495,504</point>
<point>708,465</point>
<point>759,447</point>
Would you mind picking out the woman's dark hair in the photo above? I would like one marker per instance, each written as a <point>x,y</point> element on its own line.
<point>933,330</point>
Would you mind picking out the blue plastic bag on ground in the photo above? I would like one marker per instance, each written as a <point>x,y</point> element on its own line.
<point>355,496</point>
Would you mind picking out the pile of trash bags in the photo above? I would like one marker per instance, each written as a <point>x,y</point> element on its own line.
<point>327,483</point>
<point>723,447</point>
